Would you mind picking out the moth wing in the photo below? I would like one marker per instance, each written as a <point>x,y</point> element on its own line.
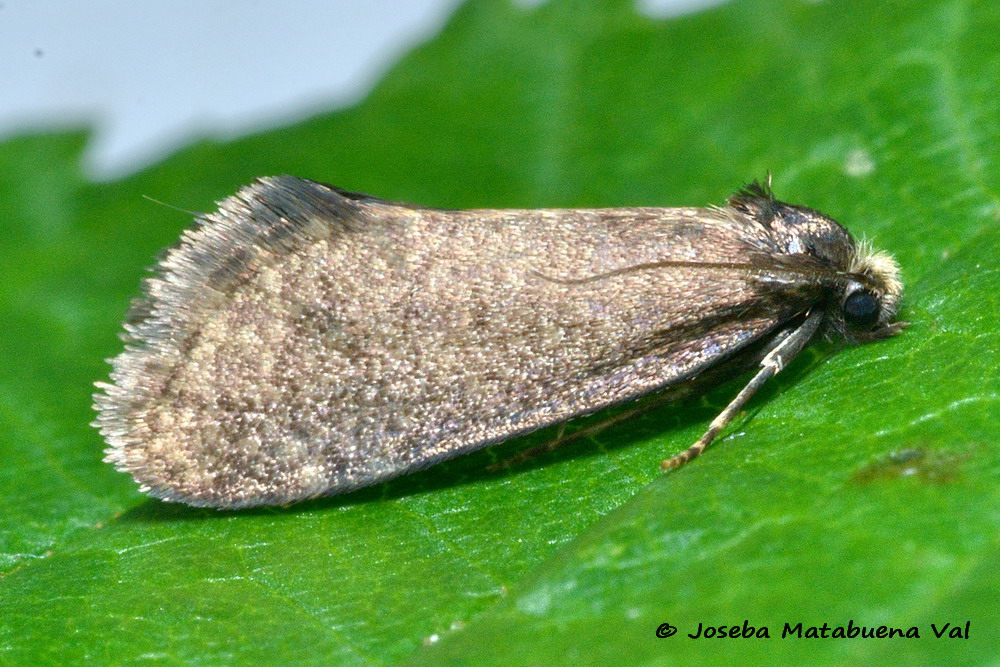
<point>303,340</point>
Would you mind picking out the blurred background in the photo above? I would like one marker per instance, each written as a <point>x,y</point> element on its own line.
<point>860,486</point>
<point>149,78</point>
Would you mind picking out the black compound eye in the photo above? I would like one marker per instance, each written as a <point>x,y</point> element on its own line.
<point>861,309</point>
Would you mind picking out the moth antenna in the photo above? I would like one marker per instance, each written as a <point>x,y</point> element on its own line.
<point>193,214</point>
<point>745,268</point>
<point>771,365</point>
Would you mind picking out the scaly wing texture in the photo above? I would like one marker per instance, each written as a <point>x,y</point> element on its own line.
<point>303,341</point>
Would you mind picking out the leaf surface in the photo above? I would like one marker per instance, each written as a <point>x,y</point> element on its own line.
<point>861,484</point>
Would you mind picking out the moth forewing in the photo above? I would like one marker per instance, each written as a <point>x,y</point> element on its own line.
<point>304,340</point>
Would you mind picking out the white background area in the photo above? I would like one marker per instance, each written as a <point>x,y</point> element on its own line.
<point>150,76</point>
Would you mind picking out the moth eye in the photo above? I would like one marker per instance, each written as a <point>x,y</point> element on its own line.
<point>861,309</point>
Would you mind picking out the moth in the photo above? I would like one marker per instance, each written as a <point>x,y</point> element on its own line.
<point>304,340</point>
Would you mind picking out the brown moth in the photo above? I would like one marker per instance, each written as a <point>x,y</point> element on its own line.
<point>304,341</point>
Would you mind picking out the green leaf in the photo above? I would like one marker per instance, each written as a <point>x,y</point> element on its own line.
<point>860,486</point>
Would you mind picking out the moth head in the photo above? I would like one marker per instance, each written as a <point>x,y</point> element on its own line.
<point>870,299</point>
<point>865,304</point>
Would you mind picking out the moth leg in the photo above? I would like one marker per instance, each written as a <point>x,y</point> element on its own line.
<point>562,439</point>
<point>532,452</point>
<point>779,357</point>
